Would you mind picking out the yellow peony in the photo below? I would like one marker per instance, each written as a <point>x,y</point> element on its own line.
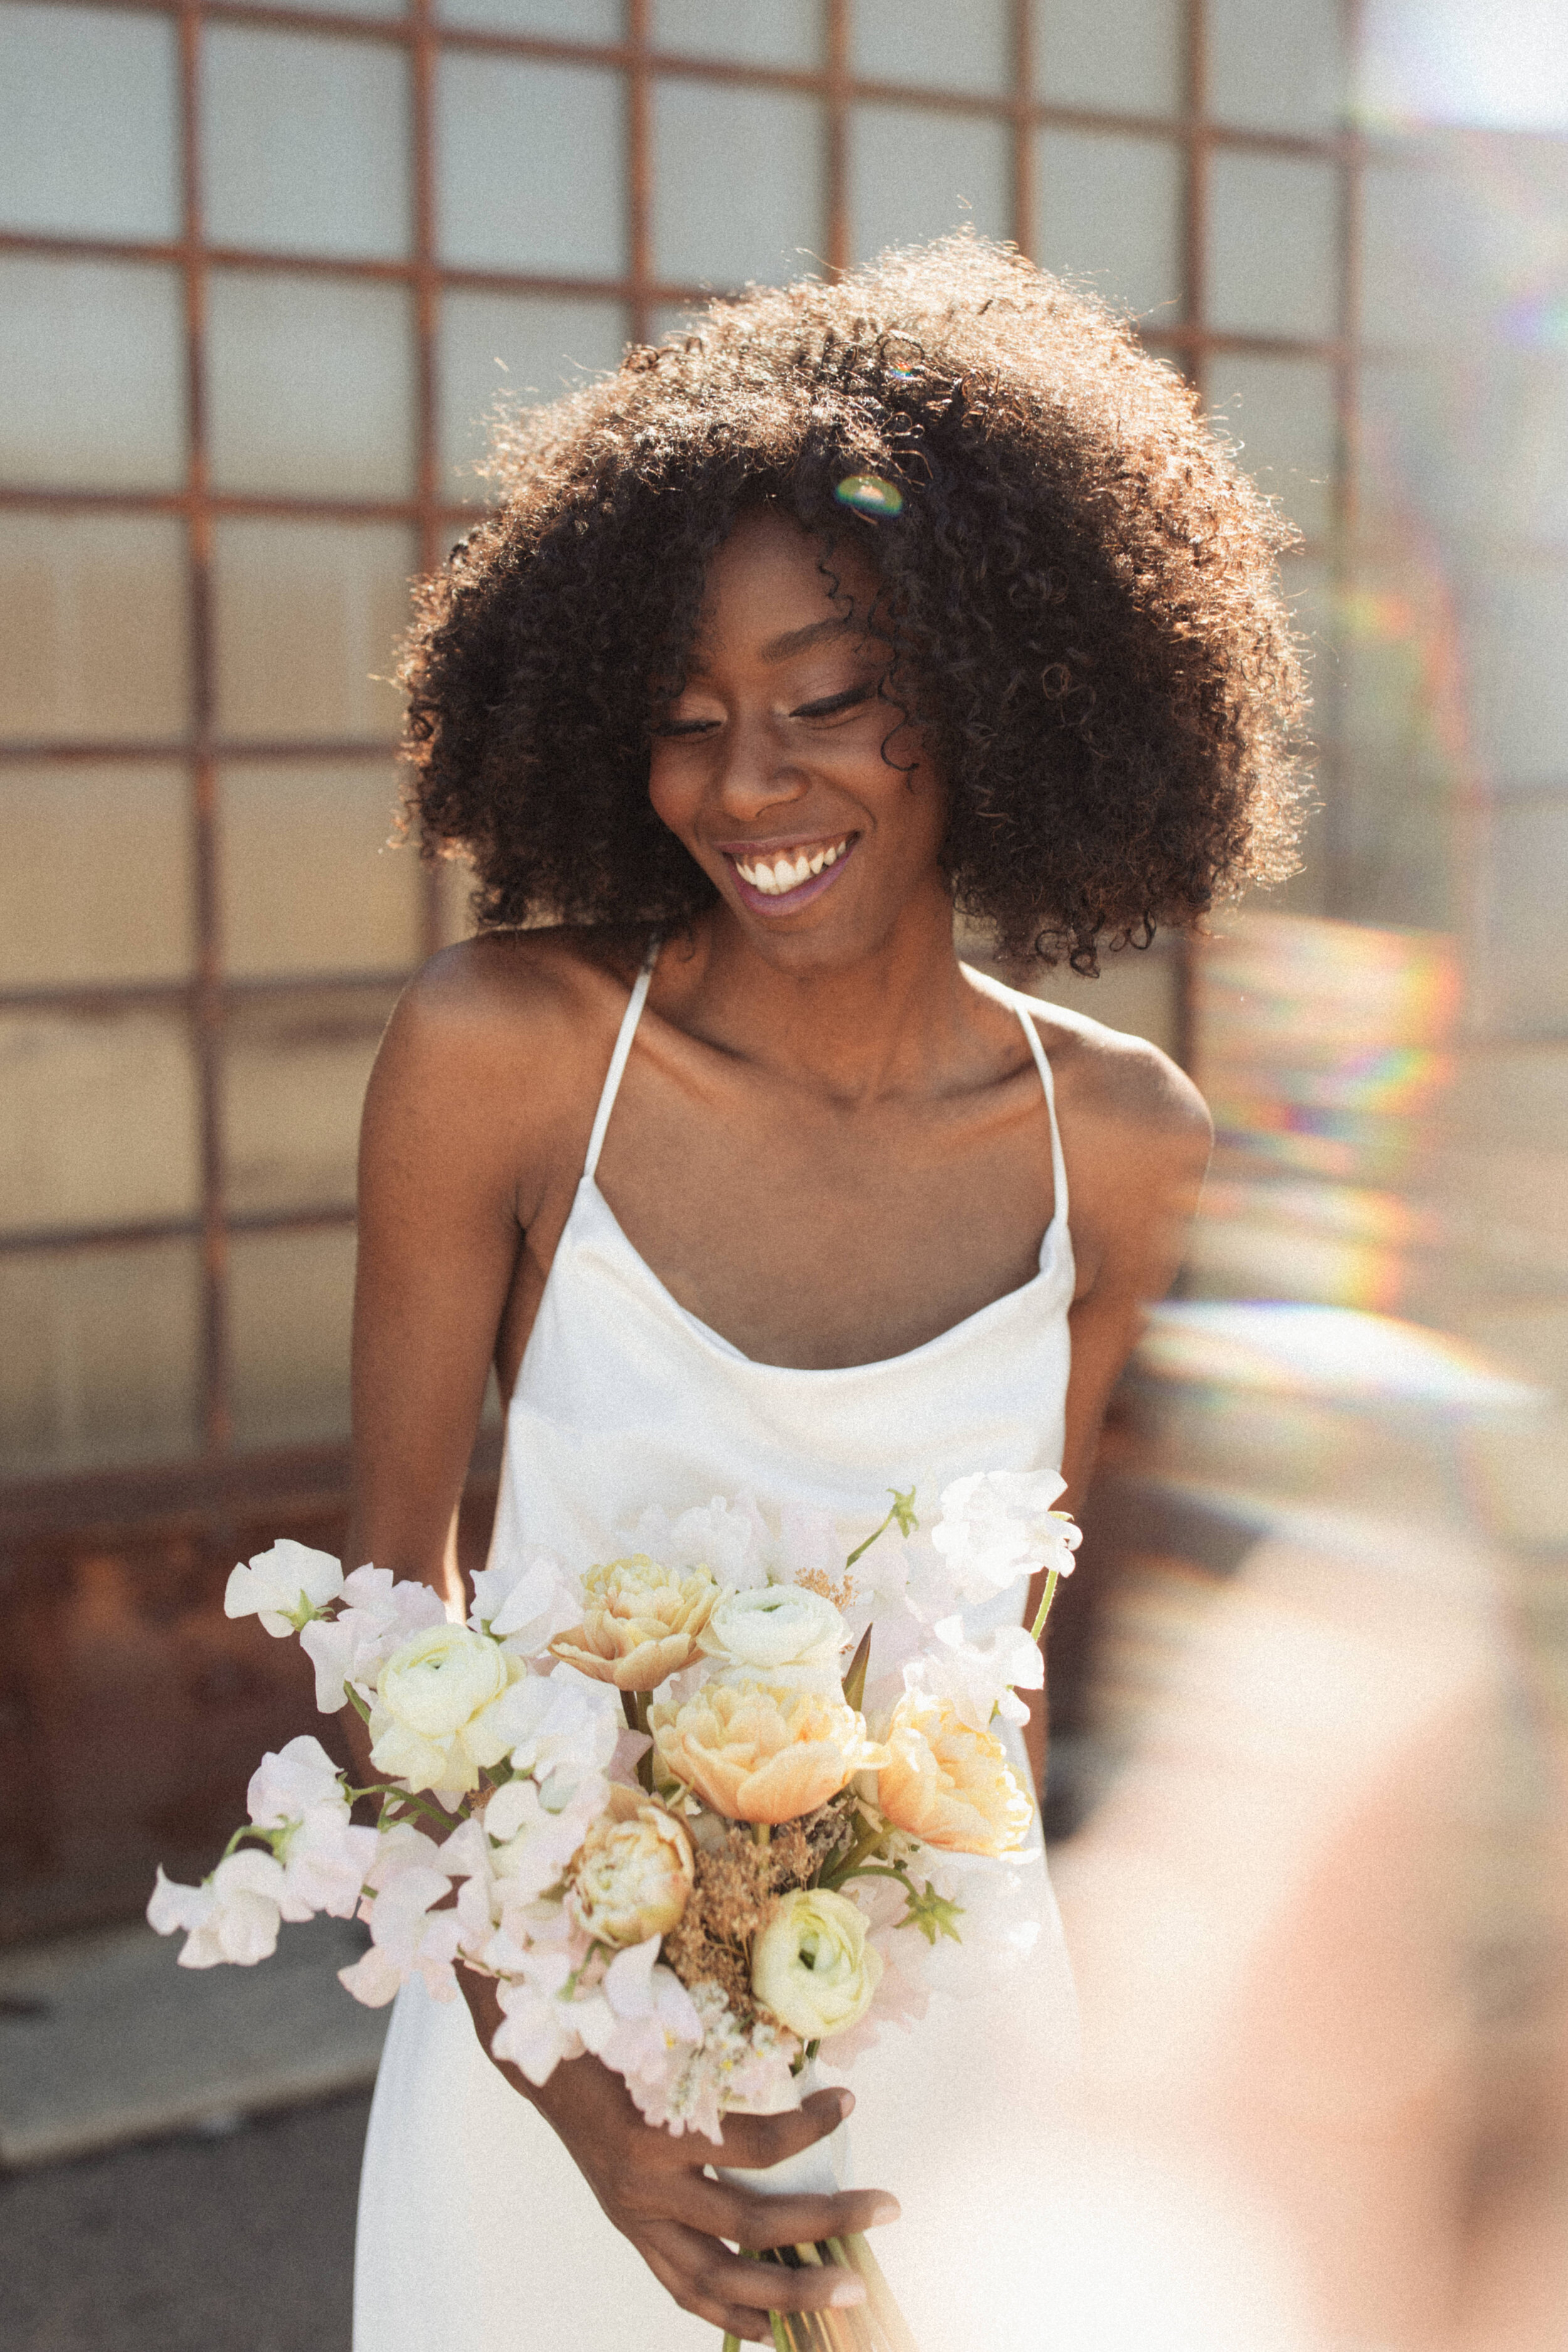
<point>756,1752</point>
<point>949,1784</point>
<point>640,1623</point>
<point>634,1873</point>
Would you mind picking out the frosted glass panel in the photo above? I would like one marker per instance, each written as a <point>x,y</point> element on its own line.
<point>95,642</point>
<point>92,122</point>
<point>382,8</point>
<point>513,347</point>
<point>1277,68</point>
<point>913,174</point>
<point>530,166</point>
<point>1273,246</point>
<point>1283,412</point>
<point>95,884</point>
<point>1515,629</point>
<point>295,1069</point>
<point>932,41</point>
<point>290,1300</point>
<point>100,1119</point>
<point>1110,209</point>
<point>1125,56</point>
<point>1419,281</point>
<point>568,20</point>
<point>309,884</point>
<point>306,143</point>
<point>781,33</point>
<point>713,224</point>
<point>307,615</point>
<point>86,346</point>
<point>101,1357</point>
<point>1526,992</point>
<point>310,381</point>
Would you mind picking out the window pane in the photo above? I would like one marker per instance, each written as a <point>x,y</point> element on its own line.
<point>1420,278</point>
<point>713,224</point>
<point>82,342</point>
<point>306,143</point>
<point>568,20</point>
<point>1125,56</point>
<point>1273,246</point>
<point>785,33</point>
<point>290,1299</point>
<point>309,884</point>
<point>307,618</point>
<point>1111,210</point>
<point>92,122</point>
<point>1515,626</point>
<point>932,41</point>
<point>530,166</point>
<point>1283,415</point>
<point>513,347</point>
<point>1274,68</point>
<point>311,385</point>
<point>1524,992</point>
<point>95,884</point>
<point>913,175</point>
<point>102,1356</point>
<point>100,1124</point>
<point>96,626</point>
<point>295,1069</point>
<point>346,8</point>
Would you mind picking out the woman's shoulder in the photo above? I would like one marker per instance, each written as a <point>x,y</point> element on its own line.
<point>522,991</point>
<point>1109,1076</point>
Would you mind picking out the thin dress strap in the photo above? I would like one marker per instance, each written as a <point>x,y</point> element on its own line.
<point>613,1075</point>
<point>1059,1165</point>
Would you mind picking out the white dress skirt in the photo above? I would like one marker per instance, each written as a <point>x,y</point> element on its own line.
<point>477,2233</point>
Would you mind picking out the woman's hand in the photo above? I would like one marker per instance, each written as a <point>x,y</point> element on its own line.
<point>653,2188</point>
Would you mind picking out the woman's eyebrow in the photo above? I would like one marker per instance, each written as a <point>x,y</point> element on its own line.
<point>796,641</point>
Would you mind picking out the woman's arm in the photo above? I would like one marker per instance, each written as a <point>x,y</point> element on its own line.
<point>1136,1135</point>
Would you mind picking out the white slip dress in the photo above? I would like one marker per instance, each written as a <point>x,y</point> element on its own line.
<point>477,2233</point>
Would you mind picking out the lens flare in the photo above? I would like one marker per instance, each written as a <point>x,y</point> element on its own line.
<point>869,494</point>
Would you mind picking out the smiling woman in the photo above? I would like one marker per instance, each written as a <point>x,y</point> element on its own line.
<point>747,1186</point>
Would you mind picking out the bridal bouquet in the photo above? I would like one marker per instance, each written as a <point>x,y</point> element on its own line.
<point>703,1809</point>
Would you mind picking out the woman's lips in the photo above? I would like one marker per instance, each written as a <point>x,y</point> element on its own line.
<point>786,902</point>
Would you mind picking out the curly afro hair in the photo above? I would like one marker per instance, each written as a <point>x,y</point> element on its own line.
<point>1077,587</point>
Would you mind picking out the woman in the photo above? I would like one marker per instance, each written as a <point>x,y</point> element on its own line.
<point>864,602</point>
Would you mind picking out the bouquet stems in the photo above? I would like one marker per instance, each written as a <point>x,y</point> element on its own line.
<point>875,2325</point>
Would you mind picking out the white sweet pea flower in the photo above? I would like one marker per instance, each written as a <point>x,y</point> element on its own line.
<point>381,1613</point>
<point>532,1841</point>
<point>641,2022</point>
<point>998,1525</point>
<point>407,1937</point>
<point>233,1916</point>
<point>524,1603</point>
<point>979,1677</point>
<point>285,1586</point>
<point>287,1786</point>
<point>558,1728</point>
<point>780,1632</point>
<point>298,1797</point>
<point>538,2026</point>
<point>730,1539</point>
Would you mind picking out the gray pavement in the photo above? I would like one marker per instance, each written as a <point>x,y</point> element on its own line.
<point>238,2242</point>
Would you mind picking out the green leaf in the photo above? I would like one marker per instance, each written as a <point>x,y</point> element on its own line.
<point>855,1680</point>
<point>933,1914</point>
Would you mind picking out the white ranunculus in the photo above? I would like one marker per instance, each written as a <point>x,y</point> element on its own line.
<point>980,1678</point>
<point>432,1723</point>
<point>773,1630</point>
<point>380,1613</point>
<point>284,1587</point>
<point>811,1964</point>
<point>998,1525</point>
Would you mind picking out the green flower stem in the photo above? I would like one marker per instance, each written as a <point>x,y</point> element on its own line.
<point>903,1510</point>
<point>359,1705</point>
<point>732,2343</point>
<point>1050,1594</point>
<point>867,1843</point>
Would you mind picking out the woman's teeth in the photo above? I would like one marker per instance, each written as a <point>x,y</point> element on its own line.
<point>788,872</point>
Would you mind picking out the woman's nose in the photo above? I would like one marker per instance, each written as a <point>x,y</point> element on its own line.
<point>757,773</point>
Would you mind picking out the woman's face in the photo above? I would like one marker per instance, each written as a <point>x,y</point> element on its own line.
<point>770,766</point>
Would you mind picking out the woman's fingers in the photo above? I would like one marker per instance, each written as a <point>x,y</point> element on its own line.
<point>751,2142</point>
<point>706,2278</point>
<point>726,2211</point>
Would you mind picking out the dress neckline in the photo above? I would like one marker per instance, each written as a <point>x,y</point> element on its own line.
<point>1051,1262</point>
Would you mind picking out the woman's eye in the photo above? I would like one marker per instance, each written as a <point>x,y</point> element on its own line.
<point>832,705</point>
<point>683,726</point>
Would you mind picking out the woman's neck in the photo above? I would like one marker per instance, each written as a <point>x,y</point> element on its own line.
<point>890,1019</point>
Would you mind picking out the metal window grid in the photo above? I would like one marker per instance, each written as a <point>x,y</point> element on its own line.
<point>207,997</point>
